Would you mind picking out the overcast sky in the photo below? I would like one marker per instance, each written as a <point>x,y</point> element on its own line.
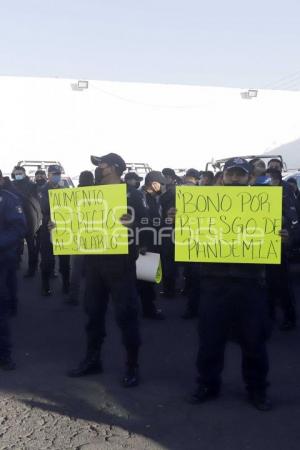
<point>218,43</point>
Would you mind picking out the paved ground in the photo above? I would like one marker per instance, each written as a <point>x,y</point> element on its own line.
<point>43,409</point>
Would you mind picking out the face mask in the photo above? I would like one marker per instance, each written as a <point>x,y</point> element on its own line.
<point>55,179</point>
<point>19,177</point>
<point>263,180</point>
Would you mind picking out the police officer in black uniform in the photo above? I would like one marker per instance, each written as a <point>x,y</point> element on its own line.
<point>12,279</point>
<point>12,230</point>
<point>169,266</point>
<point>113,276</point>
<point>132,179</point>
<point>278,277</point>
<point>233,294</point>
<point>47,257</point>
<point>192,274</point>
<point>28,194</point>
<point>86,178</point>
<point>40,179</point>
<point>151,191</point>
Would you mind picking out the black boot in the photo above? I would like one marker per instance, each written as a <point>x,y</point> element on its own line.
<point>260,400</point>
<point>66,285</point>
<point>46,291</point>
<point>290,318</point>
<point>7,364</point>
<point>202,394</point>
<point>131,377</point>
<point>90,365</point>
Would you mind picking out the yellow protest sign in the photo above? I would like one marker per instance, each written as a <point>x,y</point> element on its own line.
<point>87,220</point>
<point>228,224</point>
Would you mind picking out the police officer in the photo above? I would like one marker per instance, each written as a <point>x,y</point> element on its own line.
<point>191,270</point>
<point>12,230</point>
<point>206,178</point>
<point>40,179</point>
<point>133,179</point>
<point>152,189</point>
<point>288,193</point>
<point>47,257</point>
<point>257,172</point>
<point>86,178</point>
<point>294,185</point>
<point>12,279</point>
<point>233,294</point>
<point>191,177</point>
<point>278,277</point>
<point>169,266</point>
<point>28,193</point>
<point>113,276</point>
<point>170,177</point>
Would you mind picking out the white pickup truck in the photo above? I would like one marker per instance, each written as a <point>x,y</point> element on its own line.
<point>32,166</point>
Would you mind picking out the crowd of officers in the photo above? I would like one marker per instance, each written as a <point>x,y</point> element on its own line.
<point>231,301</point>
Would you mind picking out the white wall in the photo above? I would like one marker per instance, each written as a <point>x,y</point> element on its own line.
<point>164,125</point>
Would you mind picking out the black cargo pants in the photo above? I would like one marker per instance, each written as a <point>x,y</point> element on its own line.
<point>48,258</point>
<point>111,277</point>
<point>241,304</point>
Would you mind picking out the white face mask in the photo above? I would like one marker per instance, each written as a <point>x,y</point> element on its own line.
<point>19,177</point>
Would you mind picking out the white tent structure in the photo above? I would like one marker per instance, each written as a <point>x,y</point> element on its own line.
<point>163,125</point>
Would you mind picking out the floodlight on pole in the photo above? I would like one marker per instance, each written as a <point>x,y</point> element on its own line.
<point>248,95</point>
<point>81,85</point>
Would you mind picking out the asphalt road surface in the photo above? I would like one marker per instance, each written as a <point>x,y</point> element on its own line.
<point>41,408</point>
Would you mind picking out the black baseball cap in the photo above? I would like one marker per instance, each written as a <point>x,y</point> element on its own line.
<point>239,163</point>
<point>193,173</point>
<point>178,180</point>
<point>167,172</point>
<point>112,159</point>
<point>155,176</point>
<point>132,176</point>
<point>54,168</point>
